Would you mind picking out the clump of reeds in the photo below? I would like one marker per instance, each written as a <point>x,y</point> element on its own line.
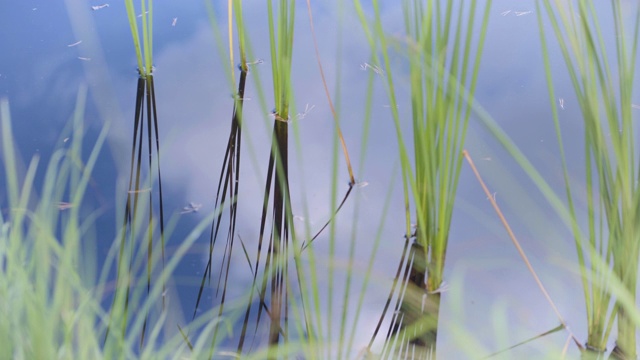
<point>604,89</point>
<point>443,68</point>
<point>139,186</point>
<point>273,286</point>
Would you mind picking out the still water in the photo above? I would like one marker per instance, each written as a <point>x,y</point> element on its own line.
<point>52,48</point>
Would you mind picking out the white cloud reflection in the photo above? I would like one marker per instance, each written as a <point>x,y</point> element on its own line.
<point>488,282</point>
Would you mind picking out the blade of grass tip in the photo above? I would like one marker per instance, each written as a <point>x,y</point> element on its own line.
<point>516,243</point>
<point>548,332</point>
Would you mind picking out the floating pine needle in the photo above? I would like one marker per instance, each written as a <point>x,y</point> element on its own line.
<point>554,330</point>
<point>352,178</point>
<point>75,44</point>
<point>516,243</point>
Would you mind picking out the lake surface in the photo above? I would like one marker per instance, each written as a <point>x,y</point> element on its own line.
<point>52,48</point>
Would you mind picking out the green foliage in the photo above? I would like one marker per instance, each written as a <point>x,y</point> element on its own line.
<point>144,52</point>
<point>443,46</point>
<point>51,304</point>
<point>604,91</point>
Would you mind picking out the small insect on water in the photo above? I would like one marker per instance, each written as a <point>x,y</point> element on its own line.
<point>307,108</point>
<point>98,7</point>
<point>256,62</point>
<point>191,208</point>
<point>376,69</point>
<point>64,205</point>
<point>561,103</point>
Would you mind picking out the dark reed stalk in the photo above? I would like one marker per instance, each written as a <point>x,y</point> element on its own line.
<point>228,182</point>
<point>145,112</point>
<point>274,291</point>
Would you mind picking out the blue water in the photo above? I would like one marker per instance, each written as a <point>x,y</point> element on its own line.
<point>490,289</point>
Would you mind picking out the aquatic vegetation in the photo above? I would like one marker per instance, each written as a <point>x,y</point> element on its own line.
<point>305,295</point>
<point>604,89</point>
<point>443,59</point>
<point>52,301</point>
<point>145,112</point>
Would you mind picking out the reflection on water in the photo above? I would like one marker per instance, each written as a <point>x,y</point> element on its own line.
<point>53,47</point>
